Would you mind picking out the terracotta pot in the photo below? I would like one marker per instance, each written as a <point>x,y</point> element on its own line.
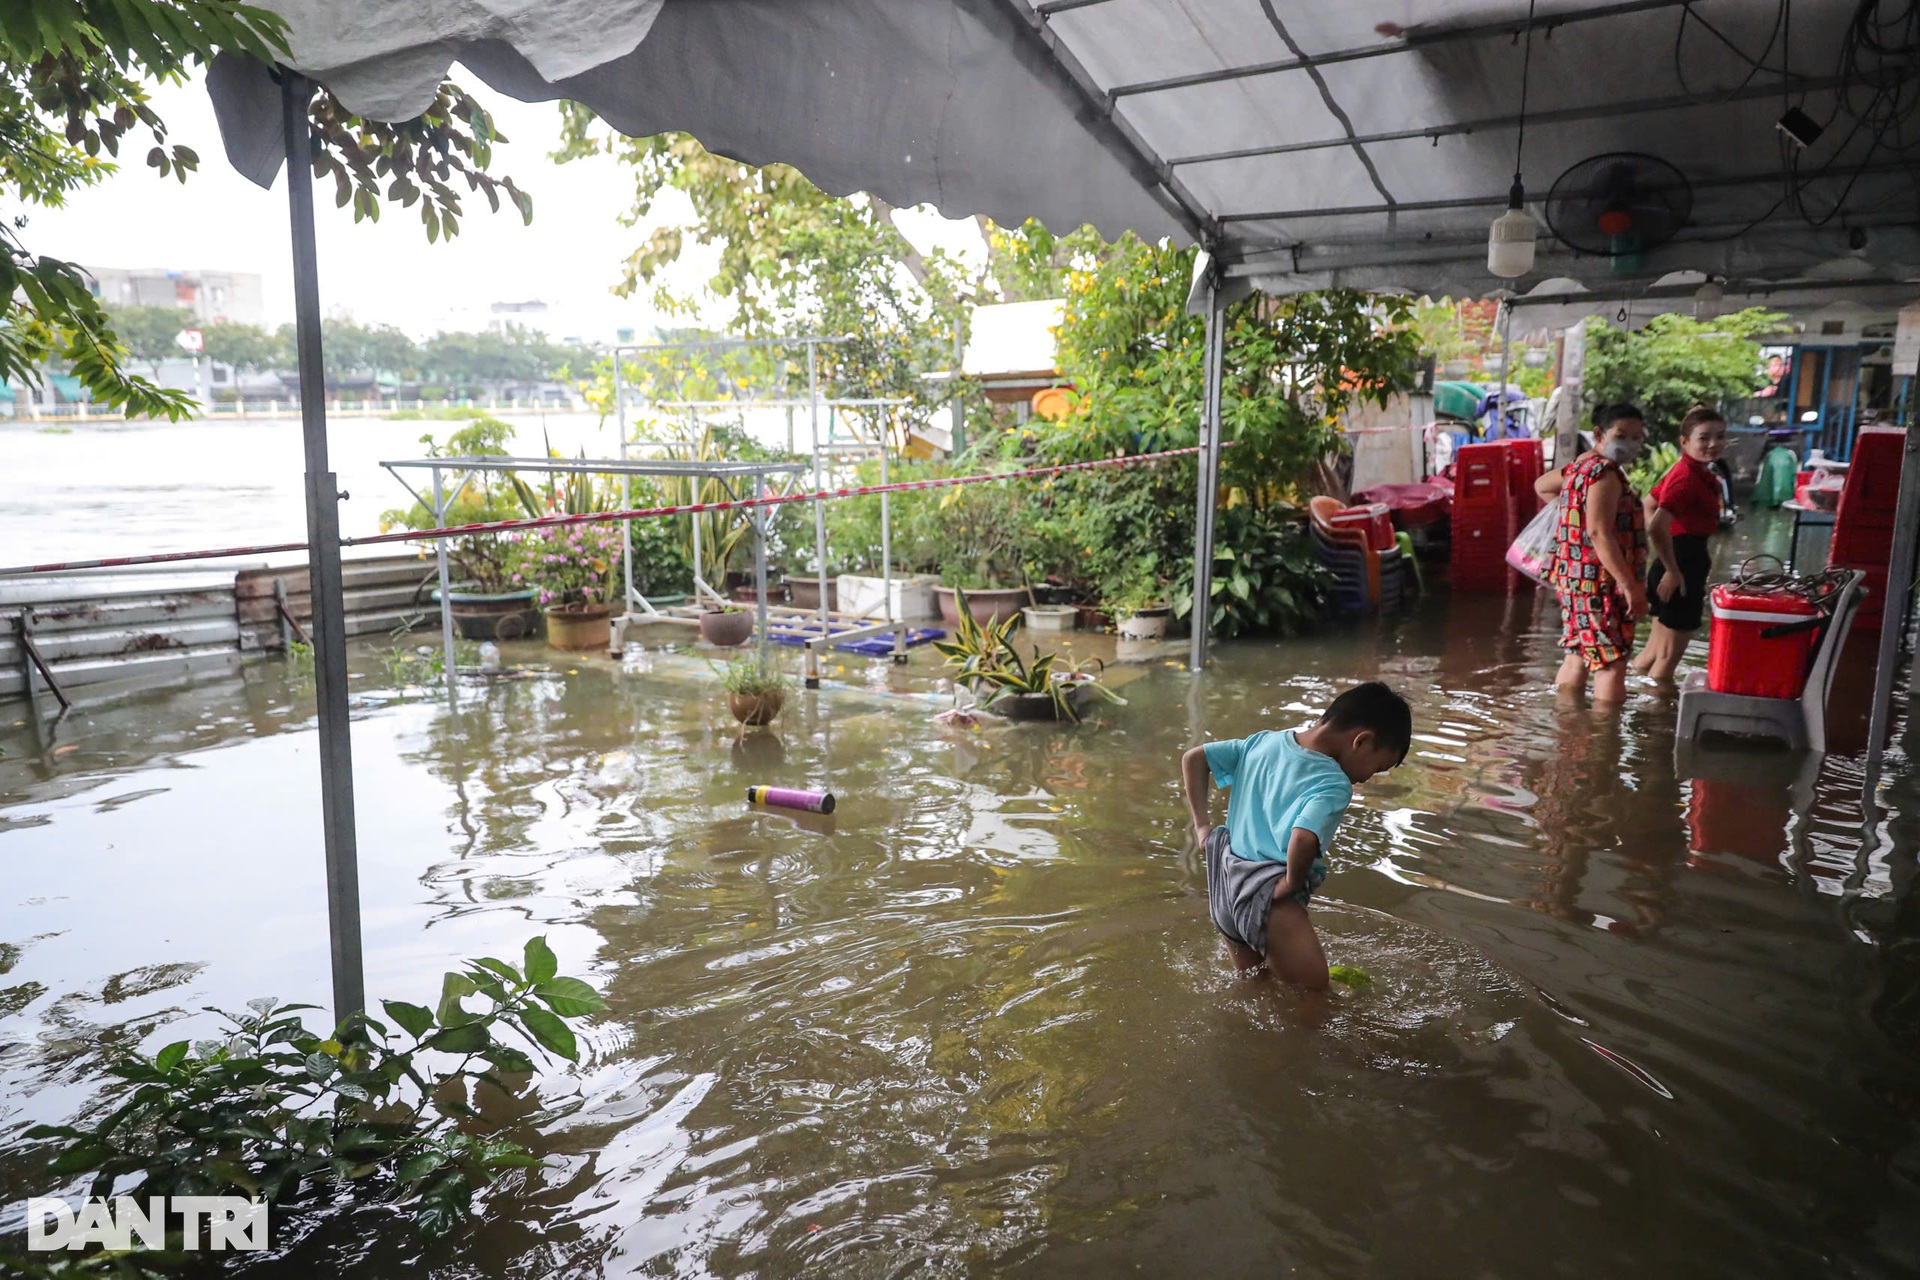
<point>756,708</point>
<point>579,626</point>
<point>987,606</point>
<point>726,629</point>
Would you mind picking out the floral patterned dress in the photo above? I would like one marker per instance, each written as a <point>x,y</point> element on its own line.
<point>1593,609</point>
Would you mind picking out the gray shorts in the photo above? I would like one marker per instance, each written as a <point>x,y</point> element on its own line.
<point>1240,892</point>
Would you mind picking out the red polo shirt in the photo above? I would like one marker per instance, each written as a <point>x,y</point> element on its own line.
<point>1691,493</point>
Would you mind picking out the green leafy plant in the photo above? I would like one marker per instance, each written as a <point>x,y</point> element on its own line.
<point>1265,575</point>
<point>1675,362</point>
<point>985,660</point>
<point>300,659</point>
<point>383,1110</point>
<point>1651,466</point>
<point>486,560</point>
<point>753,676</point>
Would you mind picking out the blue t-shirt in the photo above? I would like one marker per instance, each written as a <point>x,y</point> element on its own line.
<point>1279,785</point>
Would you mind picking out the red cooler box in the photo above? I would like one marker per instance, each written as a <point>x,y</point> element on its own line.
<point>1743,659</point>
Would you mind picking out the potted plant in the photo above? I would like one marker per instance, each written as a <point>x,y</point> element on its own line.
<point>984,528</point>
<point>987,664</point>
<point>573,566</point>
<point>725,625</point>
<point>756,689</point>
<point>487,603</point>
<point>1141,609</point>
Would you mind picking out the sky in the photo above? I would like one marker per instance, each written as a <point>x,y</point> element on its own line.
<point>386,272</point>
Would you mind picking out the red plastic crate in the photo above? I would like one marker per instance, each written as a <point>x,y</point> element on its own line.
<point>1481,477</point>
<point>1873,479</point>
<point>1742,659</point>
<point>1527,460</point>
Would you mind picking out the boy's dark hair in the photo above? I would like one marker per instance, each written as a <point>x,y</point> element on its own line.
<point>1374,706</point>
<point>1608,414</point>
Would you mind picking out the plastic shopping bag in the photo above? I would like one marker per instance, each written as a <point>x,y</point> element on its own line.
<point>1532,552</point>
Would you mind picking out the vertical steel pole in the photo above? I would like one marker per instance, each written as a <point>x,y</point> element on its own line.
<point>1506,368</point>
<point>626,486</point>
<point>446,590</point>
<point>323,560</point>
<point>819,512</point>
<point>760,564</point>
<point>1208,494</point>
<point>1906,527</point>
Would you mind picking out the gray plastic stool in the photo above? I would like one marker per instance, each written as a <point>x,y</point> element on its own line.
<point>1799,722</point>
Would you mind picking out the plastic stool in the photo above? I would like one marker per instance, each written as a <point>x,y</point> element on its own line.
<point>1799,722</point>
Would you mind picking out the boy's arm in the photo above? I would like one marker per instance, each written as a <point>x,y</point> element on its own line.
<point>1303,849</point>
<point>1195,778</point>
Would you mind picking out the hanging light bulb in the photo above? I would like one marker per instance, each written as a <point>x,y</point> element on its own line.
<point>1510,240</point>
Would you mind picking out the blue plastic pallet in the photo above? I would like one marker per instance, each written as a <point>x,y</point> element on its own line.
<point>873,646</point>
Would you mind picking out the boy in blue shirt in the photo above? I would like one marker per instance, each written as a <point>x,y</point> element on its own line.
<point>1290,790</point>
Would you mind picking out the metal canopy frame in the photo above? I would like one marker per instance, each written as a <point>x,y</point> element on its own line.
<point>724,471</point>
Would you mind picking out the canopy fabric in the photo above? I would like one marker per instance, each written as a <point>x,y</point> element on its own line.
<point>1306,143</point>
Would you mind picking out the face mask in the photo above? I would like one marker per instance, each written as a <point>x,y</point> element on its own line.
<point>1623,452</point>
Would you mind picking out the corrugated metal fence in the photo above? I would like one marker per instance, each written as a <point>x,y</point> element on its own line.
<point>130,625</point>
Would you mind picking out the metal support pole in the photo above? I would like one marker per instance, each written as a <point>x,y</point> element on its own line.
<point>1906,527</point>
<point>446,588</point>
<point>886,564</point>
<point>819,512</point>
<point>760,566</point>
<point>323,542</point>
<point>626,486</point>
<point>1207,496</point>
<point>957,431</point>
<point>1506,367</point>
<point>283,614</point>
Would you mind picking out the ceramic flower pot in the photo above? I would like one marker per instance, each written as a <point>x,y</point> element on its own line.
<point>579,626</point>
<point>726,629</point>
<point>1145,624</point>
<point>756,708</point>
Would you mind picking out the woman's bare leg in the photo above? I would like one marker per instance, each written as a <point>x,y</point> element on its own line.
<point>1668,660</point>
<point>1654,651</point>
<point>1610,684</point>
<point>1571,680</point>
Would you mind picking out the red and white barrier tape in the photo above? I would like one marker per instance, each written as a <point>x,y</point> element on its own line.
<point>602,517</point>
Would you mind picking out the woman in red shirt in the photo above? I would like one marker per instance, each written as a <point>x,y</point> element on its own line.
<point>1682,510</point>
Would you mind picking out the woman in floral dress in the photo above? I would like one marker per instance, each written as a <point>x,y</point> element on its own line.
<point>1599,555</point>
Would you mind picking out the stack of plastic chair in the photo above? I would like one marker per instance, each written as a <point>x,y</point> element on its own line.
<point>1368,577</point>
<point>1863,522</point>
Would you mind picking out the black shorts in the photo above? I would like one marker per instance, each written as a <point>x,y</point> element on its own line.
<point>1683,612</point>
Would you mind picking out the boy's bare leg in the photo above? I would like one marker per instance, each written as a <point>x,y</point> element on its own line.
<point>1294,954</point>
<point>1659,640</point>
<point>1668,660</point>
<point>1243,956</point>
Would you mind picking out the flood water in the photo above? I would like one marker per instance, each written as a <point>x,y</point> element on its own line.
<point>89,490</point>
<point>1625,1020</point>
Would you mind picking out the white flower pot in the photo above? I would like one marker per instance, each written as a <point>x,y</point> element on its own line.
<point>1148,624</point>
<point>1048,617</point>
<point>913,600</point>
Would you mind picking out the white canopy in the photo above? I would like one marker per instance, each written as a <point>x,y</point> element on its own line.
<point>1307,143</point>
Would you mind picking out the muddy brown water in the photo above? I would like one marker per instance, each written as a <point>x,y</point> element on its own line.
<point>1624,1021</point>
